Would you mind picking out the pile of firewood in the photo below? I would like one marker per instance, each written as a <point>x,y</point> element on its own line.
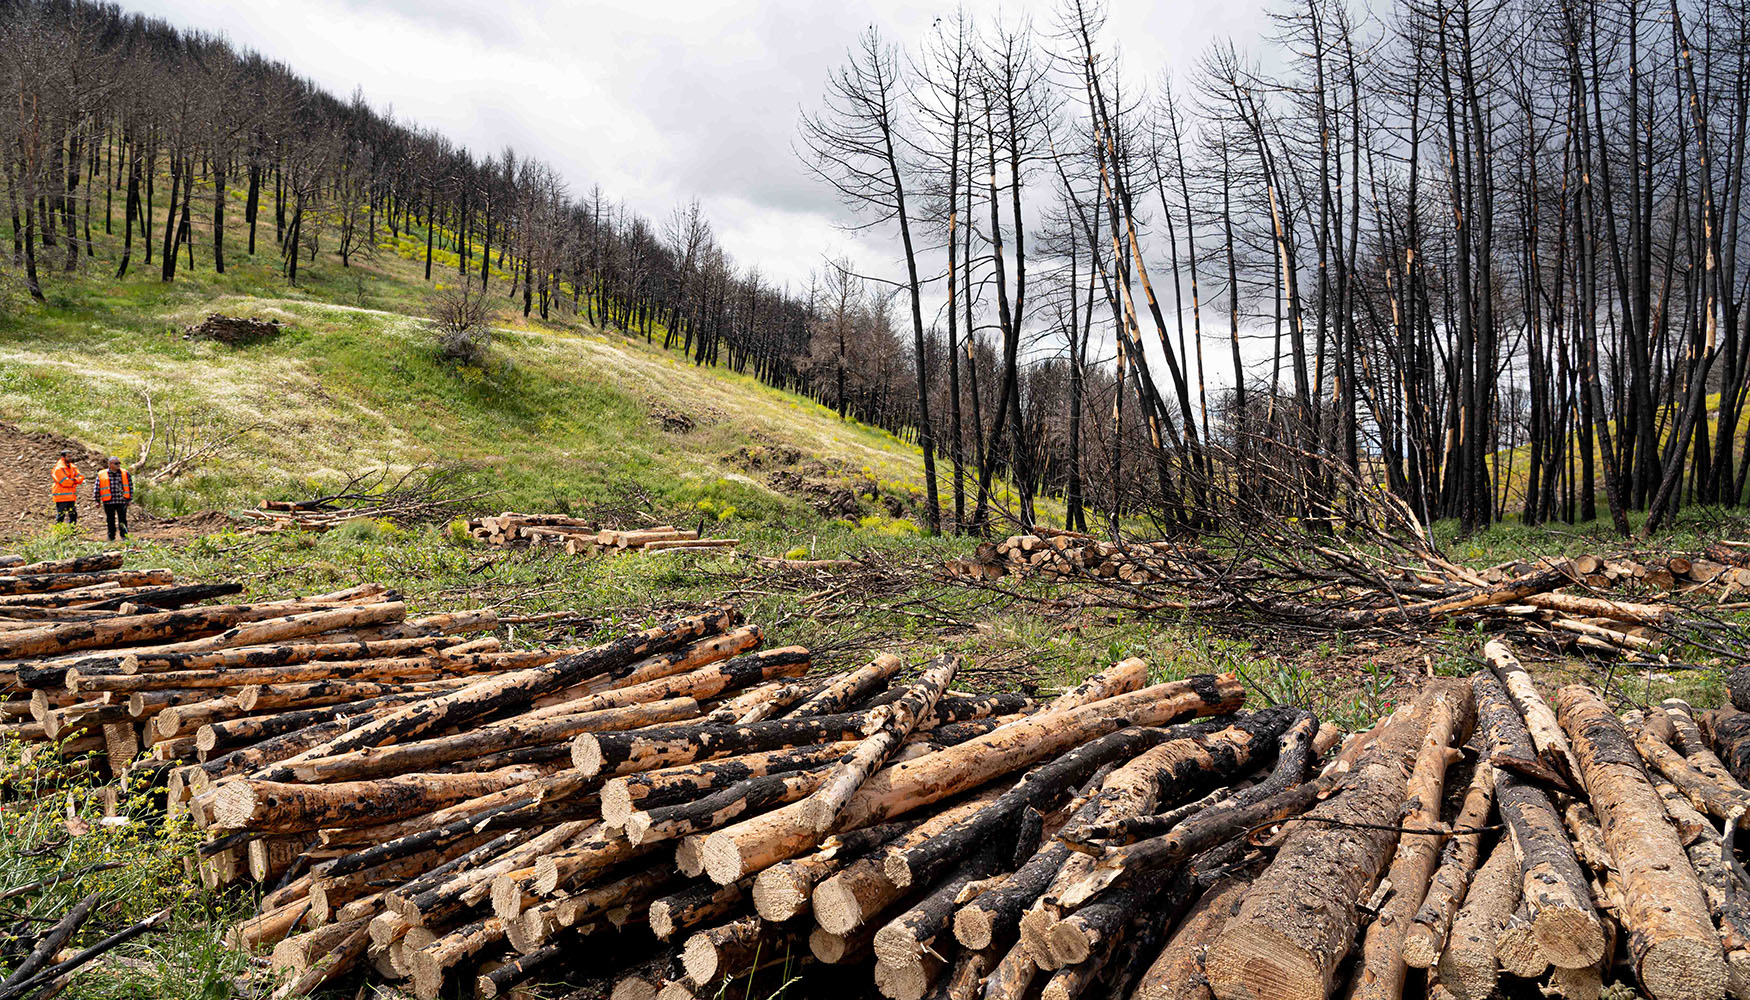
<point>578,537</point>
<point>50,612</point>
<point>1724,567</point>
<point>1054,553</point>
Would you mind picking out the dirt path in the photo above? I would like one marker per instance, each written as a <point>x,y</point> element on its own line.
<point>25,504</point>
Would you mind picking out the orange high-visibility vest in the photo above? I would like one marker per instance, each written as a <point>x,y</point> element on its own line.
<point>67,480</point>
<point>107,495</point>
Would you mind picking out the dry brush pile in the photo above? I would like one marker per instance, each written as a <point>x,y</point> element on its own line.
<point>1281,579</point>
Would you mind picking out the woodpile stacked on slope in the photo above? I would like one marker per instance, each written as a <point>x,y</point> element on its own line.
<point>151,668</point>
<point>56,613</point>
<point>1068,554</point>
<point>1110,843</point>
<point>678,807</point>
<point>579,537</point>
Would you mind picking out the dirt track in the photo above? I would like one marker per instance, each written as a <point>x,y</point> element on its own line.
<point>25,505</point>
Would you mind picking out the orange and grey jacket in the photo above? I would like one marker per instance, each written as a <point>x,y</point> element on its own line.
<point>122,492</point>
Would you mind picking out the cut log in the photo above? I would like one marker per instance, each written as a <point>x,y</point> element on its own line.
<point>1730,735</point>
<point>908,982</point>
<point>896,721</point>
<point>694,906</point>
<point>1540,722</point>
<point>1120,678</point>
<point>852,688</point>
<point>1380,973</point>
<point>621,796</point>
<point>629,753</point>
<point>539,923</point>
<point>1727,897</point>
<point>1300,918</point>
<point>1466,967</point>
<point>1012,977</point>
<point>1553,889</point>
<point>431,962</point>
<point>1726,801</point>
<point>1687,738</point>
<point>786,890</point>
<point>850,899</point>
<point>1428,929</point>
<point>1178,974</point>
<point>715,954</point>
<point>1672,940</point>
<point>339,959</point>
<point>905,940</point>
<point>721,807</point>
<point>283,808</point>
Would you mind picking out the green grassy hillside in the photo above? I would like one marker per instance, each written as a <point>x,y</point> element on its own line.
<point>562,416</point>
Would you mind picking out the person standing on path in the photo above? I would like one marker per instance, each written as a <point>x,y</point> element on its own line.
<point>114,489</point>
<point>66,478</point>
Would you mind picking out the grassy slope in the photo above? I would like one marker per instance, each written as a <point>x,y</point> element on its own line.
<point>562,414</point>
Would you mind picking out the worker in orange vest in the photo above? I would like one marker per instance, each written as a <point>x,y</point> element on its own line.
<point>115,490</point>
<point>67,478</point>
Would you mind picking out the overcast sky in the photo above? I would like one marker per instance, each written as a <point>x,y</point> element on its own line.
<point>657,101</point>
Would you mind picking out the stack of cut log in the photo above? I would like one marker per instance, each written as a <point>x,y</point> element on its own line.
<point>1723,567</point>
<point>54,613</point>
<point>1110,843</point>
<point>682,809</point>
<point>133,675</point>
<point>520,531</point>
<point>577,537</point>
<point>1054,553</point>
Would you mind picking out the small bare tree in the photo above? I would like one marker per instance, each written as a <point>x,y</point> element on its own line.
<point>462,317</point>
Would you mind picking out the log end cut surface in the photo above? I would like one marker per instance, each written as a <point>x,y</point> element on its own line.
<point>1254,962</point>
<point>1683,969</point>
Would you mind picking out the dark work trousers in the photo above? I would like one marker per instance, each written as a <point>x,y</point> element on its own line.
<point>66,510</point>
<point>117,516</point>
